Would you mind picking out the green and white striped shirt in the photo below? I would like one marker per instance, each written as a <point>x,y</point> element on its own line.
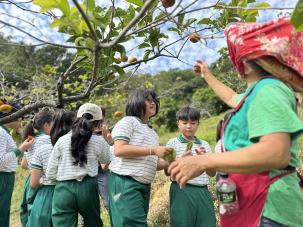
<point>41,139</point>
<point>8,151</point>
<point>60,166</point>
<point>137,133</point>
<point>40,161</point>
<point>179,144</point>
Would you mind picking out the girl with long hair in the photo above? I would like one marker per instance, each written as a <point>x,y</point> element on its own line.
<point>74,165</point>
<point>41,210</point>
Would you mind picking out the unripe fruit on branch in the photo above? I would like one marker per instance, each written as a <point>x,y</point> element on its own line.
<point>6,108</point>
<point>194,37</point>
<point>117,60</point>
<point>132,59</point>
<point>124,58</point>
<point>168,3</point>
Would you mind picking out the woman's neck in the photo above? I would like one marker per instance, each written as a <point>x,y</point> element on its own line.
<point>252,78</point>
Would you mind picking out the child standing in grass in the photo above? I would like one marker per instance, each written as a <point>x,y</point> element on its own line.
<point>191,206</point>
<point>39,128</point>
<point>136,149</point>
<point>41,210</point>
<point>74,165</point>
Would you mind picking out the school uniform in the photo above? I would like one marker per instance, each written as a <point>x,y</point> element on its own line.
<point>192,205</point>
<point>8,166</point>
<point>130,178</point>
<point>76,190</point>
<point>41,208</point>
<point>28,192</point>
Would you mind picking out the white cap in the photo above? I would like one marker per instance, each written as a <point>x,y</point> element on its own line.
<point>92,109</point>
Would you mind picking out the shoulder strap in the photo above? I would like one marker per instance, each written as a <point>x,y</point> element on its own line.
<point>235,110</point>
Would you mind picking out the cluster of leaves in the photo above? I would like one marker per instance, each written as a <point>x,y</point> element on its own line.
<point>297,16</point>
<point>101,34</point>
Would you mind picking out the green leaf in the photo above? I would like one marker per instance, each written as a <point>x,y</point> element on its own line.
<point>136,2</point>
<point>88,42</point>
<point>172,29</point>
<point>171,156</point>
<point>261,5</point>
<point>146,55</point>
<point>121,49</point>
<point>190,21</point>
<point>181,18</point>
<point>189,146</point>
<point>53,4</point>
<point>143,45</point>
<point>90,4</point>
<point>204,21</point>
<point>297,18</point>
<point>118,69</point>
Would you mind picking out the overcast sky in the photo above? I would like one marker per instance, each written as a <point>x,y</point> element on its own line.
<point>190,53</point>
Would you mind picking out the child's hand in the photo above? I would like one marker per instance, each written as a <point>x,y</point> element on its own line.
<point>200,150</point>
<point>161,151</point>
<point>27,144</point>
<point>107,134</point>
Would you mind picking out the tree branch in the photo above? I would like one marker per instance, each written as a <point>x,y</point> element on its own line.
<point>91,29</point>
<point>40,40</point>
<point>26,110</point>
<point>63,78</point>
<point>128,27</point>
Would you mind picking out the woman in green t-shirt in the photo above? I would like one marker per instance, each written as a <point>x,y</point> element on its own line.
<point>260,139</point>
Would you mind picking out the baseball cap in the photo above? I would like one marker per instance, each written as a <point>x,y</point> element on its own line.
<point>92,109</point>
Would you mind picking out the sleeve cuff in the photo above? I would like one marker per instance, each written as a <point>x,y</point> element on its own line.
<point>35,166</point>
<point>17,152</point>
<point>121,138</point>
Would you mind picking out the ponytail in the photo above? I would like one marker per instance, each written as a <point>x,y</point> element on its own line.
<point>40,118</point>
<point>29,130</point>
<point>82,131</point>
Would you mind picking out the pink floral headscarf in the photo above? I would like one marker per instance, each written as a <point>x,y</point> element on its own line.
<point>275,38</point>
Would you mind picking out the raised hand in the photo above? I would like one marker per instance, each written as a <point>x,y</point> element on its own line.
<point>202,68</point>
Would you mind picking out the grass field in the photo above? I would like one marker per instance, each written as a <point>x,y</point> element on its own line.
<point>158,213</point>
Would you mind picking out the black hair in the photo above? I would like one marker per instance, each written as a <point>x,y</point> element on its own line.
<point>82,131</point>
<point>257,68</point>
<point>188,113</point>
<point>45,115</point>
<point>136,102</point>
<point>62,124</point>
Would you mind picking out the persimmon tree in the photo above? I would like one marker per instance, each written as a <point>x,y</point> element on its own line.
<point>105,37</point>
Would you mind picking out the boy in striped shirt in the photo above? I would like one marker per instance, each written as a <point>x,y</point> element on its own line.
<point>192,205</point>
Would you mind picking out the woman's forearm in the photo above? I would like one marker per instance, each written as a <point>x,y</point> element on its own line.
<point>225,93</point>
<point>270,153</point>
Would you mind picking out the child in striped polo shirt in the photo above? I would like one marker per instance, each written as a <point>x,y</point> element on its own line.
<point>41,210</point>
<point>39,128</point>
<point>136,150</point>
<point>74,165</point>
<point>191,206</point>
<point>8,162</point>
